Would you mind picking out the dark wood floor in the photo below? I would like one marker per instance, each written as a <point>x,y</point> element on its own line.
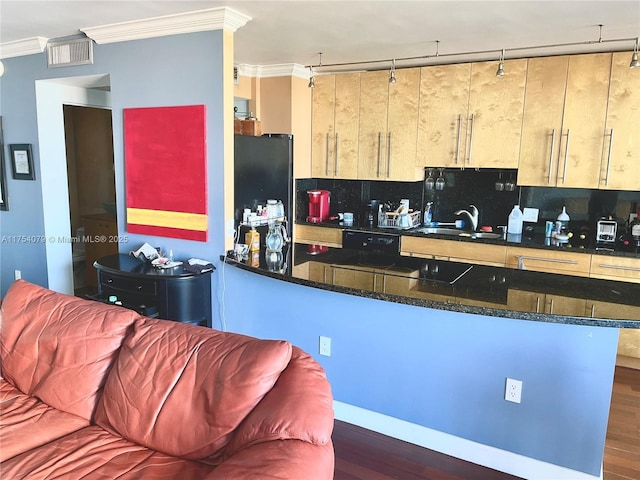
<point>365,455</point>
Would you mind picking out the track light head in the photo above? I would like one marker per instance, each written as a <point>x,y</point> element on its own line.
<point>634,58</point>
<point>392,72</point>
<point>500,71</point>
<point>312,82</point>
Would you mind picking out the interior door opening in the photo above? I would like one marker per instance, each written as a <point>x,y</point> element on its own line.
<point>92,195</point>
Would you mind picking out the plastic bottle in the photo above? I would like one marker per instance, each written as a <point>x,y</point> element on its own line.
<point>252,238</point>
<point>428,214</point>
<point>514,225</point>
<point>563,218</point>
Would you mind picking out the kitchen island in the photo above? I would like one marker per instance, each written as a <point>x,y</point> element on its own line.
<point>459,287</point>
<point>426,360</point>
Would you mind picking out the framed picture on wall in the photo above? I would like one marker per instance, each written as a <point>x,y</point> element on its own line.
<point>21,161</point>
<point>4,205</point>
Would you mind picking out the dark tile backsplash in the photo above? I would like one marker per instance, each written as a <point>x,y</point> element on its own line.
<point>465,187</point>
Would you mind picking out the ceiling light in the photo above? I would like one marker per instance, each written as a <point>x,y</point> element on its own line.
<point>392,73</point>
<point>500,72</point>
<point>634,58</point>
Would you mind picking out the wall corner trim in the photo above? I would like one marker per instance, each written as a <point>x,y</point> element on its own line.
<point>26,46</point>
<point>221,18</point>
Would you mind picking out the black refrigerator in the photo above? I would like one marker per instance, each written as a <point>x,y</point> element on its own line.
<point>263,170</point>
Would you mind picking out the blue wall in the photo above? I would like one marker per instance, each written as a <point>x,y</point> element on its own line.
<point>172,70</point>
<point>446,370</point>
<point>441,370</point>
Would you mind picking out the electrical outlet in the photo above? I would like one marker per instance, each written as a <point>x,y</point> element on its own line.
<point>325,346</point>
<point>230,230</point>
<point>513,390</point>
<point>17,274</point>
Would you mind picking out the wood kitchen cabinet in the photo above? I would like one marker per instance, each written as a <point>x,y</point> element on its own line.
<point>548,261</point>
<point>452,250</point>
<point>314,235</point>
<point>535,302</point>
<point>564,121</point>
<point>629,339</point>
<point>388,126</point>
<point>335,116</point>
<point>496,106</point>
<point>622,269</point>
<point>621,162</point>
<point>101,231</point>
<point>442,115</point>
<point>469,117</point>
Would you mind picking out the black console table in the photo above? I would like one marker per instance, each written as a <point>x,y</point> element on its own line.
<point>171,294</point>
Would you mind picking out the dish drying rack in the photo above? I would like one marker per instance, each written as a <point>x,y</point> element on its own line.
<point>396,220</point>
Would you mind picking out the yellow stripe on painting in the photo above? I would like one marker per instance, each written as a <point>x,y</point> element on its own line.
<point>164,218</point>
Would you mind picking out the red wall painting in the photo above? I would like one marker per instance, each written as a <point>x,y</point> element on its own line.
<point>166,171</point>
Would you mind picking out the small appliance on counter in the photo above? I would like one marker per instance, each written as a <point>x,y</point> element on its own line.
<point>318,206</point>
<point>606,229</point>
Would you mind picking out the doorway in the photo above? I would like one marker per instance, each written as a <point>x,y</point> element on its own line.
<point>92,195</point>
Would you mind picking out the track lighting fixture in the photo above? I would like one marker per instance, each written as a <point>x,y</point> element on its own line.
<point>500,71</point>
<point>312,82</point>
<point>634,58</point>
<point>392,73</point>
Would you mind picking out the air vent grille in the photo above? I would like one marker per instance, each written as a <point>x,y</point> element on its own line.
<point>71,52</point>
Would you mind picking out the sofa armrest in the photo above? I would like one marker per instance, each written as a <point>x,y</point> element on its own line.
<point>278,460</point>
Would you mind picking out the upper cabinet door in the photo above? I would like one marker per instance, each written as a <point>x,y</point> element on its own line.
<point>496,106</point>
<point>323,126</point>
<point>542,121</point>
<point>347,112</point>
<point>402,128</point>
<point>444,102</point>
<point>583,125</point>
<point>621,163</point>
<point>374,101</point>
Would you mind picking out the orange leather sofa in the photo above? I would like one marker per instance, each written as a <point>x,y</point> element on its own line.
<point>95,391</point>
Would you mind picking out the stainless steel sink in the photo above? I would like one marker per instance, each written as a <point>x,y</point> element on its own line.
<point>480,235</point>
<point>439,231</point>
<point>456,233</point>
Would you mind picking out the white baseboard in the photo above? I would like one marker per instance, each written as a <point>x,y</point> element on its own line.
<point>473,452</point>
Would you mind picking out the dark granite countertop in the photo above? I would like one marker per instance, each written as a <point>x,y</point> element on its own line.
<point>535,240</point>
<point>483,290</point>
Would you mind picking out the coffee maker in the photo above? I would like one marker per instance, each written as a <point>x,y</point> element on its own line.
<point>318,205</point>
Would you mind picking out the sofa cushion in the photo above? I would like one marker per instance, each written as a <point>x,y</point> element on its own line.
<point>93,453</point>
<point>26,422</point>
<point>57,347</point>
<point>183,389</point>
<point>299,406</point>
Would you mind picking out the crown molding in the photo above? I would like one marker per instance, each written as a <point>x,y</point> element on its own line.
<point>221,18</point>
<point>268,71</point>
<point>26,46</point>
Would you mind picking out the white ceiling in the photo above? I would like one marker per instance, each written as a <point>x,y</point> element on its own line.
<point>294,31</point>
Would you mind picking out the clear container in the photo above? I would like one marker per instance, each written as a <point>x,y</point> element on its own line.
<point>514,226</point>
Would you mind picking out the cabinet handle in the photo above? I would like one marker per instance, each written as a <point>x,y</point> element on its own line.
<point>333,276</point>
<point>537,304</point>
<point>375,278</point>
<point>326,163</point>
<point>384,283</point>
<point>551,306</point>
<point>593,310</point>
<point>389,156</point>
<point>458,139</point>
<point>522,258</point>
<point>566,157</point>
<point>336,155</point>
<point>324,274</point>
<point>379,152</point>
<point>553,147</point>
<point>620,267</point>
<point>606,178</point>
<point>473,121</point>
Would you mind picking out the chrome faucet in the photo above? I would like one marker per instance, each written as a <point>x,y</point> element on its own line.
<point>472,216</point>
